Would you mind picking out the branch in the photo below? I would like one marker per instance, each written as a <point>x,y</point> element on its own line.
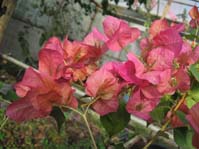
<point>163,128</point>
<point>15,61</point>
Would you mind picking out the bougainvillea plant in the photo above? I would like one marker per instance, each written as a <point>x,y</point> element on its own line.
<point>162,83</point>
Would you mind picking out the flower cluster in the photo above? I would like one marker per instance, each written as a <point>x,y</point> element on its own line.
<point>63,63</point>
<point>161,69</point>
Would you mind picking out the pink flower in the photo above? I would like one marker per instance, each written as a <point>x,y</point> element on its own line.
<point>39,92</point>
<point>119,33</point>
<point>141,106</point>
<point>160,59</point>
<point>161,25</point>
<point>75,54</point>
<point>194,14</point>
<point>51,63</point>
<point>157,26</point>
<point>139,66</point>
<point>80,54</point>
<point>81,74</point>
<point>169,39</point>
<point>54,43</point>
<point>127,72</point>
<point>180,27</point>
<point>103,86</point>
<point>96,39</point>
<point>146,46</point>
<point>163,35</point>
<point>182,80</point>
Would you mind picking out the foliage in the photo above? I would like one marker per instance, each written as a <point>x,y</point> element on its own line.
<point>183,137</point>
<point>108,121</point>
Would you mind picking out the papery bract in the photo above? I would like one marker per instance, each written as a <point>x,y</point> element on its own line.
<point>41,95</point>
<point>80,55</point>
<point>54,43</point>
<point>169,39</point>
<point>30,80</point>
<point>140,106</point>
<point>96,39</point>
<point>146,46</point>
<point>194,57</point>
<point>180,27</point>
<point>160,59</point>
<point>23,110</point>
<point>119,33</point>
<point>82,73</point>
<point>139,66</point>
<point>104,87</point>
<point>75,54</point>
<point>194,14</point>
<point>182,80</point>
<point>51,62</point>
<point>127,72</point>
<point>157,26</point>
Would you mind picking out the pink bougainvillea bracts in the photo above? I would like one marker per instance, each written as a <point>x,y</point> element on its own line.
<point>119,34</point>
<point>39,93</point>
<point>194,14</point>
<point>104,87</point>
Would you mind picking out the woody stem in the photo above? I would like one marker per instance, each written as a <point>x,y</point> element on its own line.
<point>163,128</point>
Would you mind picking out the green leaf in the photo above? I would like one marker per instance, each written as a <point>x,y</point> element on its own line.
<point>11,95</point>
<point>194,92</point>
<point>58,115</point>
<point>116,121</point>
<point>194,69</point>
<point>1,84</point>
<point>183,137</point>
<point>166,100</point>
<point>190,101</point>
<point>191,37</point>
<point>193,95</point>
<point>159,113</point>
<point>181,115</point>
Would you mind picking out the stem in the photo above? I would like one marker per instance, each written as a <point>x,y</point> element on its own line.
<point>74,110</point>
<point>89,130</point>
<point>163,128</point>
<point>6,101</point>
<point>15,61</point>
<point>89,104</point>
<point>83,115</point>
<point>3,123</point>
